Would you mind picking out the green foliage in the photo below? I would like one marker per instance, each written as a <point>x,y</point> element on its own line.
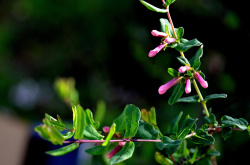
<point>187,126</point>
<point>79,121</point>
<point>228,121</point>
<point>203,138</point>
<point>63,150</point>
<point>98,150</point>
<point>162,159</point>
<point>195,61</point>
<point>125,153</point>
<point>146,131</point>
<point>153,8</point>
<point>177,93</point>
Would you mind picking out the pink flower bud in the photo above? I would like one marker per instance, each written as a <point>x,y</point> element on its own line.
<point>183,69</point>
<point>188,86</point>
<point>169,40</point>
<point>106,129</point>
<point>122,143</point>
<point>114,151</point>
<point>153,52</point>
<point>198,77</point>
<point>163,89</point>
<point>158,34</point>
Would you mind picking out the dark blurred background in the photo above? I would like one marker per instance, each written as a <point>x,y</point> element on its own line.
<point>104,46</point>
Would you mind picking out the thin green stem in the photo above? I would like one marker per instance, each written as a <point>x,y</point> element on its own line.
<point>182,54</point>
<point>201,98</point>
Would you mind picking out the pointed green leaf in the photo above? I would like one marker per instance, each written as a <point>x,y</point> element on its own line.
<point>145,115</point>
<point>186,127</point>
<point>173,126</point>
<point>173,72</point>
<point>195,61</point>
<point>168,142</point>
<point>180,33</point>
<point>169,2</point>
<point>56,123</point>
<point>162,159</point>
<point>215,96</point>
<point>183,60</point>
<point>193,158</point>
<point>184,45</point>
<point>100,111</point>
<point>98,150</point>
<point>177,93</point>
<point>125,153</point>
<point>120,122</point>
<point>152,116</point>
<point>228,121</point>
<point>132,116</point>
<point>68,135</point>
<point>91,133</point>
<point>90,119</point>
<point>166,27</point>
<point>146,131</point>
<point>63,150</point>
<point>78,121</point>
<point>110,135</point>
<point>153,8</point>
<point>202,137</point>
<point>190,99</point>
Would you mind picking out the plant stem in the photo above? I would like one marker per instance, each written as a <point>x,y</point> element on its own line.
<point>112,141</point>
<point>182,54</point>
<point>201,98</point>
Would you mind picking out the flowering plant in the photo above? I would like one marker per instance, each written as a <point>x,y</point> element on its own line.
<point>135,125</point>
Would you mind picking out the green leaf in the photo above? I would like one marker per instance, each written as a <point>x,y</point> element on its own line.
<point>184,45</point>
<point>162,159</point>
<point>177,93</point>
<point>186,127</point>
<point>202,137</point>
<point>173,72</point>
<point>120,122</point>
<point>132,116</point>
<point>211,119</point>
<point>168,142</point>
<point>91,133</point>
<point>152,116</point>
<point>110,135</point>
<point>125,153</point>
<point>169,2</point>
<point>50,133</point>
<point>215,96</point>
<point>56,123</point>
<point>190,99</point>
<point>183,60</point>
<point>90,119</point>
<point>68,135</point>
<point>153,8</point>
<point>63,150</point>
<point>146,131</point>
<point>173,126</point>
<point>166,27</point>
<point>195,61</point>
<point>180,33</point>
<point>228,121</point>
<point>213,153</point>
<point>78,121</point>
<point>193,158</point>
<point>98,150</point>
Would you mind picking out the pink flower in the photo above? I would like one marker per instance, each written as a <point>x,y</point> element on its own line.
<point>153,52</point>
<point>188,86</point>
<point>183,69</point>
<point>198,77</point>
<point>169,40</point>
<point>158,34</point>
<point>116,149</point>
<point>106,129</point>
<point>163,89</point>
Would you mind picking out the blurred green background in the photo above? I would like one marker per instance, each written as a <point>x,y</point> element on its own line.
<point>104,46</point>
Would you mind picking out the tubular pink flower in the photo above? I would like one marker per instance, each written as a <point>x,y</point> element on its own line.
<point>153,52</point>
<point>188,86</point>
<point>198,77</point>
<point>106,129</point>
<point>114,151</point>
<point>163,89</point>
<point>183,69</point>
<point>158,34</point>
<point>169,40</point>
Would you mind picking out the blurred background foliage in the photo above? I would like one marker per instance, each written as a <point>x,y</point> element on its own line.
<point>103,46</point>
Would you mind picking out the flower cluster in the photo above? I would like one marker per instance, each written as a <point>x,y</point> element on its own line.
<point>178,79</point>
<point>166,40</point>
